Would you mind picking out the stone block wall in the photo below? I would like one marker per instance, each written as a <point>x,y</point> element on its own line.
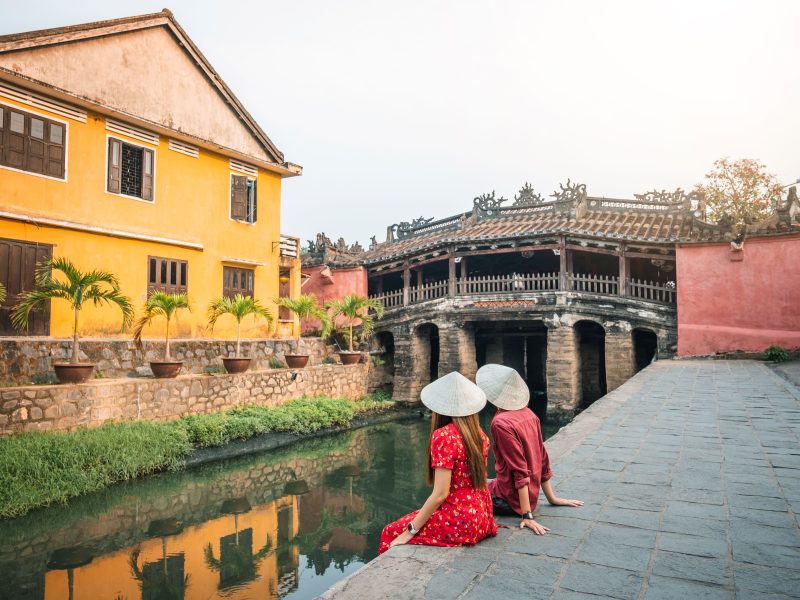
<point>457,350</point>
<point>25,360</point>
<point>64,407</point>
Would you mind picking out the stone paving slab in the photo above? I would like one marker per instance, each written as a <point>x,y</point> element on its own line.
<point>691,476</point>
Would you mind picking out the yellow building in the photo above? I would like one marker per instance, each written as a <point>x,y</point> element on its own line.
<point>122,149</point>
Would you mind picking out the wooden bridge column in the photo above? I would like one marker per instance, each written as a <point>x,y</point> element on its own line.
<point>451,275</point>
<point>623,272</point>
<point>562,264</point>
<point>406,282</point>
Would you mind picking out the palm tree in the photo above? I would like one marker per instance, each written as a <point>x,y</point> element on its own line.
<point>353,308</point>
<point>305,306</point>
<point>2,293</point>
<point>239,307</point>
<point>77,287</point>
<point>159,304</point>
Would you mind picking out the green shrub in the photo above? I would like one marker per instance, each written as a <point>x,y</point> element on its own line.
<point>378,360</point>
<point>39,469</point>
<point>776,354</point>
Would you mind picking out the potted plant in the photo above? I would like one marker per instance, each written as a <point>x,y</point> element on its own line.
<point>77,287</point>
<point>355,308</point>
<point>238,307</point>
<point>304,306</point>
<point>164,305</point>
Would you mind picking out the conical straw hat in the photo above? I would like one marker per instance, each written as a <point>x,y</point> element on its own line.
<point>453,396</point>
<point>503,387</point>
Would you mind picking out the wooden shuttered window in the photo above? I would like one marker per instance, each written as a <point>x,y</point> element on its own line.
<point>32,143</point>
<point>244,204</point>
<point>237,281</point>
<point>18,262</point>
<point>130,170</point>
<point>167,275</point>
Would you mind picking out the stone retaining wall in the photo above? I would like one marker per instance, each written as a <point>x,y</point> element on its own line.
<point>25,360</point>
<point>63,407</point>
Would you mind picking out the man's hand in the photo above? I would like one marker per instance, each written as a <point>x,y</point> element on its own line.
<point>565,502</point>
<point>533,526</point>
<point>401,539</point>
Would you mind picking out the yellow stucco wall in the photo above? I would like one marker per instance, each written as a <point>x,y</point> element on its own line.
<point>191,204</point>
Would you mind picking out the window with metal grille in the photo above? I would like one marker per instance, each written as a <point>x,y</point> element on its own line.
<point>32,143</point>
<point>237,281</point>
<point>130,169</point>
<point>167,275</point>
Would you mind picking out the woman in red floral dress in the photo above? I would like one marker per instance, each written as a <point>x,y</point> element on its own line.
<point>459,509</point>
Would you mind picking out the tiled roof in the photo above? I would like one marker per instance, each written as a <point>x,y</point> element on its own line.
<point>652,218</point>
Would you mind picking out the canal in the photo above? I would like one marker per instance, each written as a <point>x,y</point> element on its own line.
<point>281,524</point>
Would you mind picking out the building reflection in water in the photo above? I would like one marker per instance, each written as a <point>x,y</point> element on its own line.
<point>261,527</point>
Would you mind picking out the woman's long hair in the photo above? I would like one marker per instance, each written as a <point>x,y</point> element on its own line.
<point>470,430</point>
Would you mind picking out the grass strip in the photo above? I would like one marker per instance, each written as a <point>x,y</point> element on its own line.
<point>43,468</point>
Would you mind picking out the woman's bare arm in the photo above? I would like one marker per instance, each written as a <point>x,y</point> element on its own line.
<point>441,488</point>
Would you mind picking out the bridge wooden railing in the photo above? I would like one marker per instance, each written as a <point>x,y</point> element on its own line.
<point>602,285</point>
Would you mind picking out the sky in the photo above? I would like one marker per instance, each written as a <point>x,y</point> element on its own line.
<point>398,110</point>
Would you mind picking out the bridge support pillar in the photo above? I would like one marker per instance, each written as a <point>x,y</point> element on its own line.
<point>457,350</point>
<point>620,364</point>
<point>562,369</point>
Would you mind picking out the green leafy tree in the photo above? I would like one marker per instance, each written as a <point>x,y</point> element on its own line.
<point>238,307</point>
<point>741,189</point>
<point>159,304</point>
<point>356,308</point>
<point>2,293</point>
<point>305,306</point>
<point>77,288</point>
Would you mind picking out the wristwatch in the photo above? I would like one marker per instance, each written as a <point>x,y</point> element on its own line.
<point>528,515</point>
<point>411,529</point>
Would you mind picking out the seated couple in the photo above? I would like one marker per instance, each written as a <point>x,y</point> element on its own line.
<point>460,510</point>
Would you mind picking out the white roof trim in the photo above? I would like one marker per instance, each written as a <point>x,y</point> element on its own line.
<point>118,233</point>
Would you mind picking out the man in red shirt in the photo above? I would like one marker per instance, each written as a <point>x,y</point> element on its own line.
<point>522,466</point>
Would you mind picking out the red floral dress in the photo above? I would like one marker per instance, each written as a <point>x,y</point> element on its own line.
<point>465,517</point>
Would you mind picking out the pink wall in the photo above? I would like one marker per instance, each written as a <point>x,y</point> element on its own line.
<point>726,305</point>
<point>339,284</point>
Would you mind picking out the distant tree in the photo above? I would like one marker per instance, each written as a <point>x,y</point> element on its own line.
<point>741,189</point>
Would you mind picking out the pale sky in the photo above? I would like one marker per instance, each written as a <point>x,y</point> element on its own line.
<point>404,109</point>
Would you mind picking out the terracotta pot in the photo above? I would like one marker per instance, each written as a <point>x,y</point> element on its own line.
<point>296,361</point>
<point>166,369</point>
<point>73,373</point>
<point>350,358</point>
<point>236,365</point>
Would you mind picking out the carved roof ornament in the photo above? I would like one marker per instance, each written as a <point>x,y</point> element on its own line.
<point>570,193</point>
<point>527,197</point>
<point>373,243</point>
<point>319,244</point>
<point>355,248</point>
<point>488,202</point>
<point>662,197</point>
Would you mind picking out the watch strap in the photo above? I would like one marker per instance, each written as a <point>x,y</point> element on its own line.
<point>528,515</point>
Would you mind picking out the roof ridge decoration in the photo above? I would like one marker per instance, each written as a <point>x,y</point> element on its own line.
<point>527,197</point>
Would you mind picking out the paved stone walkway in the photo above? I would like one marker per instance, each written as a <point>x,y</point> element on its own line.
<point>691,477</point>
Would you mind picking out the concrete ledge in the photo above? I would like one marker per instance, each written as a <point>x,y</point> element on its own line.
<point>691,477</point>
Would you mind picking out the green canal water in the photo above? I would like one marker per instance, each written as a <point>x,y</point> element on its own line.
<point>280,524</point>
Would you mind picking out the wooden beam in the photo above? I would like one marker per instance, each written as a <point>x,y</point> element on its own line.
<point>593,250</point>
<point>648,256</point>
<point>507,250</point>
<point>413,265</point>
<point>562,263</point>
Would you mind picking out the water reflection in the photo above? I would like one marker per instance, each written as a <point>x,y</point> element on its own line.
<point>284,524</point>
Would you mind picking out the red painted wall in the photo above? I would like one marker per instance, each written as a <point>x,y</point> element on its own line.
<point>726,305</point>
<point>340,283</point>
